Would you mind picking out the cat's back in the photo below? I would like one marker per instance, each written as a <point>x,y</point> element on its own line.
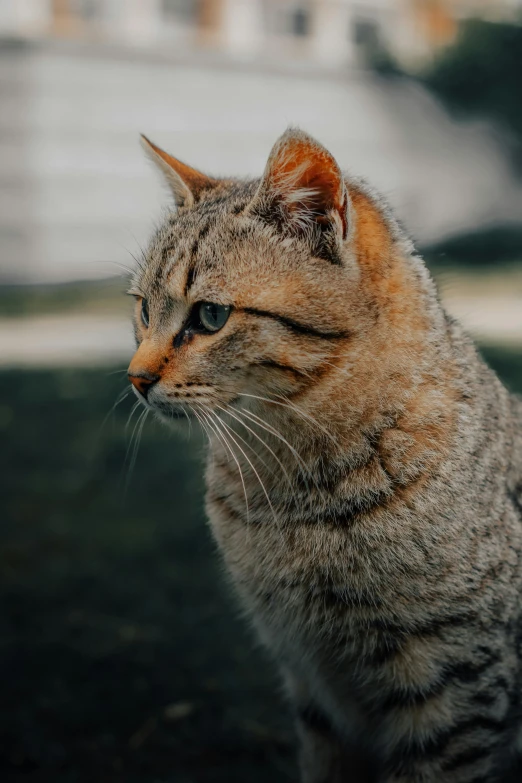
<point>515,473</point>
<point>490,420</point>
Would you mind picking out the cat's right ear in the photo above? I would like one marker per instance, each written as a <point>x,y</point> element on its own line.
<point>303,192</point>
<point>186,184</point>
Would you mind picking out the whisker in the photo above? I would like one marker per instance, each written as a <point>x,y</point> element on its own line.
<point>119,399</point>
<point>288,404</point>
<point>258,421</point>
<point>229,448</point>
<point>230,412</point>
<point>204,427</point>
<point>139,424</point>
<point>188,419</point>
<point>140,262</point>
<point>247,444</point>
<point>203,413</point>
<point>255,419</point>
<point>230,430</point>
<point>131,414</point>
<point>129,450</point>
<point>126,269</point>
<point>308,418</point>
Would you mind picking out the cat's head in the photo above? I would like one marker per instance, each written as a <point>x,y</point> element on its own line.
<point>256,289</point>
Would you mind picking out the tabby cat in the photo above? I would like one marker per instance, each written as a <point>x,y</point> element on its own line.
<point>364,480</point>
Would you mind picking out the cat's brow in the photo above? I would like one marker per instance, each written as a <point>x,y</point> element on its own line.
<point>192,255</point>
<point>296,326</point>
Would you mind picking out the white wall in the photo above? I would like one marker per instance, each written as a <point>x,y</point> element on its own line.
<point>76,193</point>
<point>24,16</point>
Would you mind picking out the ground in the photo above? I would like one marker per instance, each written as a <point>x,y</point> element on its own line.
<point>123,654</point>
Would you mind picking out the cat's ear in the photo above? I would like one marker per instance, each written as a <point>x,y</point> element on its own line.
<point>303,191</point>
<point>186,183</point>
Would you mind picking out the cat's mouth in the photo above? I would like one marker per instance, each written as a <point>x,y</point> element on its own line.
<point>173,406</point>
<point>178,413</point>
<point>170,411</point>
<point>166,410</point>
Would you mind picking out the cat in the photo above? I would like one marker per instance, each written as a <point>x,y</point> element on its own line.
<point>364,479</point>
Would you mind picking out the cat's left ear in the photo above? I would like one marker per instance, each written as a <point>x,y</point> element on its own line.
<point>303,192</point>
<point>186,183</point>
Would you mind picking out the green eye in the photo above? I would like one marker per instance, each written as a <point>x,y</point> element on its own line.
<point>213,316</point>
<point>145,312</point>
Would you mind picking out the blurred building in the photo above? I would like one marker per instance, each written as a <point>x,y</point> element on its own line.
<point>75,192</point>
<point>334,33</point>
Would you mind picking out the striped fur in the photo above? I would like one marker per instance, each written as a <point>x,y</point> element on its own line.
<point>364,480</point>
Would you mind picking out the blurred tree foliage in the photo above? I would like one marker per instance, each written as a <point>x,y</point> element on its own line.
<point>499,246</point>
<point>481,73</point>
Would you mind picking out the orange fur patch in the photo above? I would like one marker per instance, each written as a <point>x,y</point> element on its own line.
<point>194,179</point>
<point>310,171</point>
<point>147,359</point>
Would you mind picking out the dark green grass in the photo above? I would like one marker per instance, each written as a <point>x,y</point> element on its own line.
<point>497,248</point>
<point>114,605</point>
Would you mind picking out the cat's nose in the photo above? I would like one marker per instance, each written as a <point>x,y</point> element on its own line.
<point>143,381</point>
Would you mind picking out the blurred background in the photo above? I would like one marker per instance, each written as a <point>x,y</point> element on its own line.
<point>122,654</point>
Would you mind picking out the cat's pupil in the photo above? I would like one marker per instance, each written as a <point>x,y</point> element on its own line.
<point>145,312</point>
<point>213,316</point>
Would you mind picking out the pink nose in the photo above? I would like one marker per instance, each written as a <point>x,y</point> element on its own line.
<point>143,382</point>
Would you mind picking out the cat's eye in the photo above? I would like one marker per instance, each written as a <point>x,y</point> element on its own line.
<point>213,316</point>
<point>145,312</point>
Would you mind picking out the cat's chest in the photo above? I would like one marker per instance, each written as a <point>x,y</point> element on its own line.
<point>293,576</point>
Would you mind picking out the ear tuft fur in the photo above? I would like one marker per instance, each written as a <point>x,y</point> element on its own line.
<point>303,190</point>
<point>187,184</point>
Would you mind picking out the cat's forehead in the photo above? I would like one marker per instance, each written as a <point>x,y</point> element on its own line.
<point>214,249</point>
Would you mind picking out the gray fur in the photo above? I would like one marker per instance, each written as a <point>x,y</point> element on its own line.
<point>364,487</point>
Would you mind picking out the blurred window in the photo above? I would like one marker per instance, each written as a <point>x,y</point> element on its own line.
<point>179,9</point>
<point>367,36</point>
<point>86,9</point>
<point>300,22</point>
<point>365,33</point>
